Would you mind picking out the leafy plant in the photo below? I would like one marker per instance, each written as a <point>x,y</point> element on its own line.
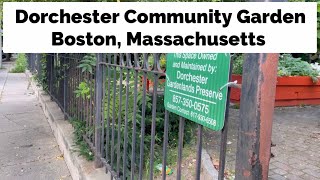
<point>83,90</point>
<point>119,109</point>
<point>20,65</point>
<point>41,77</point>
<point>87,63</point>
<point>290,66</point>
<point>237,64</point>
<point>79,131</point>
<point>162,61</point>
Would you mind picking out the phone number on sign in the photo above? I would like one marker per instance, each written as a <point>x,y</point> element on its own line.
<point>205,119</point>
<point>200,107</point>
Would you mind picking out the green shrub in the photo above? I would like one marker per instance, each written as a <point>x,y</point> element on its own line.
<point>237,64</point>
<point>41,76</point>
<point>81,146</point>
<point>288,66</point>
<point>20,65</point>
<point>88,63</point>
<point>83,90</point>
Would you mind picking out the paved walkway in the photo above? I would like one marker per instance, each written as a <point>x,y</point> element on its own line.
<point>296,134</point>
<point>28,149</point>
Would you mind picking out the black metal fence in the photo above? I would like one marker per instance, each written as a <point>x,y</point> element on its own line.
<point>120,99</point>
<point>34,64</point>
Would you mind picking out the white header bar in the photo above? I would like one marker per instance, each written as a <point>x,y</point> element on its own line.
<point>71,27</point>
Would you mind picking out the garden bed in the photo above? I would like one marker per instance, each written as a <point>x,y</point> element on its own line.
<point>290,91</point>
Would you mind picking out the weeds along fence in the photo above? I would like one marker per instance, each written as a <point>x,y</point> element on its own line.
<point>119,99</point>
<point>70,87</point>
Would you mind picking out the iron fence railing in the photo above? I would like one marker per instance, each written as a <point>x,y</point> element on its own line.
<point>34,63</point>
<point>121,102</point>
<point>60,77</point>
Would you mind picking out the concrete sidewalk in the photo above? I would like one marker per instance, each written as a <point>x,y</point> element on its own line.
<point>28,149</point>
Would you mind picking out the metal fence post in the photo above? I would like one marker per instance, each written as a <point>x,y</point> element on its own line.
<point>51,64</point>
<point>65,87</point>
<point>48,73</point>
<point>98,126</point>
<point>39,67</point>
<point>256,113</point>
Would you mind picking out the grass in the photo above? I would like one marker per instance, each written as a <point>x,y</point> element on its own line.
<point>20,65</point>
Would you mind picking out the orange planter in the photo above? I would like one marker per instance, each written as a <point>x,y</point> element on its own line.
<point>290,91</point>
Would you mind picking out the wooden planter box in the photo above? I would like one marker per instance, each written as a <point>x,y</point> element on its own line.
<point>290,91</point>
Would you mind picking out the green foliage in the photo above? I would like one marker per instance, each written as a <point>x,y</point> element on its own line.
<point>79,131</point>
<point>120,113</point>
<point>180,0</point>
<point>88,63</point>
<point>290,66</point>
<point>162,61</point>
<point>83,90</point>
<point>237,64</point>
<point>41,77</point>
<point>20,65</point>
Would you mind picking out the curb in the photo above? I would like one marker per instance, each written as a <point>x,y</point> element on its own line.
<point>208,170</point>
<point>80,168</point>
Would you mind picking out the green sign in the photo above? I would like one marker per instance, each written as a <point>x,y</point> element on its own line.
<point>196,87</point>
